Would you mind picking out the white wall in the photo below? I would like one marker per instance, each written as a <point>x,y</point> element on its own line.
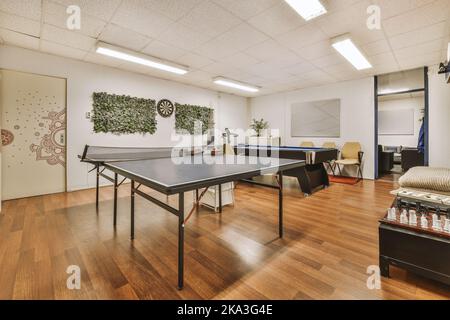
<point>85,78</point>
<point>439,119</point>
<point>410,140</point>
<point>357,114</point>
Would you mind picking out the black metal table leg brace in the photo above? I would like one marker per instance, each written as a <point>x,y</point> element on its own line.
<point>97,185</point>
<point>132,210</point>
<point>180,240</point>
<point>115,198</point>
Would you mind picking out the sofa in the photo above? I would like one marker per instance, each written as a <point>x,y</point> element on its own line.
<point>411,157</point>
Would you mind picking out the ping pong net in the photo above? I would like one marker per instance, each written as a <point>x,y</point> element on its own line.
<point>115,154</point>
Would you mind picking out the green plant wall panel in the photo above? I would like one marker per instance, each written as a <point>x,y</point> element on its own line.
<point>121,114</point>
<point>186,115</point>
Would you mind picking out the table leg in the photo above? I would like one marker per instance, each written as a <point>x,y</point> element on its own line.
<point>280,204</point>
<point>196,199</point>
<point>132,210</point>
<point>97,186</point>
<point>384,267</point>
<point>180,240</point>
<point>115,198</point>
<point>220,198</point>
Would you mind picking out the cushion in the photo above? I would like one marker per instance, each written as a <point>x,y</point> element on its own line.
<point>436,179</point>
<point>347,161</point>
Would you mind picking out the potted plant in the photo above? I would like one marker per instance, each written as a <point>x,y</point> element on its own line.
<point>258,126</point>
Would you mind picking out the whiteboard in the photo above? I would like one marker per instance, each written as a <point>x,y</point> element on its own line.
<point>316,119</point>
<point>396,122</point>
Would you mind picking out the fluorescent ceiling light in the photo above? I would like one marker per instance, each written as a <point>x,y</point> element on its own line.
<point>131,56</point>
<point>235,84</point>
<point>308,9</point>
<point>345,46</point>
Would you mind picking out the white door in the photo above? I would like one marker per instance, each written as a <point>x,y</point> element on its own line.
<point>33,130</point>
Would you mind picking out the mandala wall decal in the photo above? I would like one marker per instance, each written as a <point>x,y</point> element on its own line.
<point>7,137</point>
<point>52,146</point>
<point>165,108</point>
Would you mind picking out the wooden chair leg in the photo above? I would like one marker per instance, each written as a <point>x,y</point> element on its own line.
<point>339,168</point>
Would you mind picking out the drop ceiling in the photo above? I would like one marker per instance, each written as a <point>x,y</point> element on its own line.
<point>260,42</point>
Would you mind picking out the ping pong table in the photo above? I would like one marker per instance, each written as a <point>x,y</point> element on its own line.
<point>176,171</point>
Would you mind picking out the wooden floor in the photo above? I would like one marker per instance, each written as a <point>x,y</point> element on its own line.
<point>392,176</point>
<point>330,240</point>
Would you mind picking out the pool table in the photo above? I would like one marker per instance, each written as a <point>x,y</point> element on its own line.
<point>311,176</point>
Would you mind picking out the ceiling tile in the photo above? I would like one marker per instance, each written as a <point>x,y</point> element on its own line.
<point>248,8</point>
<point>317,50</point>
<point>194,60</point>
<point>333,5</point>
<point>161,50</point>
<point>19,39</point>
<point>277,20</point>
<point>419,18</point>
<point>239,60</point>
<point>433,32</point>
<point>391,8</point>
<point>300,68</point>
<point>102,9</point>
<point>267,50</point>
<point>67,38</point>
<point>55,14</point>
<point>182,37</point>
<point>60,50</point>
<point>341,69</point>
<point>419,50</point>
<point>235,40</point>
<point>343,20</point>
<point>30,9</point>
<point>266,70</point>
<point>376,47</point>
<point>173,9</point>
<point>327,61</point>
<point>302,37</point>
<point>20,24</point>
<point>126,38</point>
<point>139,16</point>
<point>363,36</point>
<point>210,19</point>
<point>317,75</point>
<point>220,69</point>
<point>383,59</point>
<point>420,60</point>
<point>288,59</point>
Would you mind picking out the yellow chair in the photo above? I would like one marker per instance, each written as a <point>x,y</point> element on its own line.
<point>329,145</point>
<point>351,155</point>
<point>307,144</point>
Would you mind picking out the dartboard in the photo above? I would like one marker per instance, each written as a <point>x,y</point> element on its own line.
<point>165,108</point>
